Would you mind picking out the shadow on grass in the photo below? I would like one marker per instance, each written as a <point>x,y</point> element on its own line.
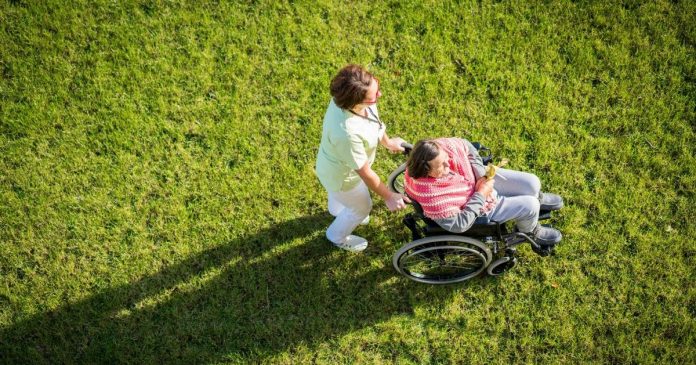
<point>258,297</point>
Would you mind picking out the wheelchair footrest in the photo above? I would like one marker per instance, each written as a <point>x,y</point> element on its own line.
<point>544,251</point>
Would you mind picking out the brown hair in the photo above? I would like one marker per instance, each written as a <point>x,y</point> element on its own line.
<point>350,85</point>
<point>423,152</point>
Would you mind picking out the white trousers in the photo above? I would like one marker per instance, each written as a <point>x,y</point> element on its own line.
<point>350,208</point>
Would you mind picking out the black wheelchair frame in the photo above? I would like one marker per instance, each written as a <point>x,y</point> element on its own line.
<point>437,256</point>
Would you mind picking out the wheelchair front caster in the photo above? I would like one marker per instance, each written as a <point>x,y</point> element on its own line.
<point>501,265</point>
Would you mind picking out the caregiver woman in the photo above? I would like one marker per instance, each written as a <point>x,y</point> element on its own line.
<point>351,132</point>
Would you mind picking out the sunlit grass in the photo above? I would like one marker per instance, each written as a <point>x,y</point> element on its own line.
<point>158,201</point>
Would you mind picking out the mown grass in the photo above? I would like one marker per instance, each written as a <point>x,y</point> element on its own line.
<point>158,202</point>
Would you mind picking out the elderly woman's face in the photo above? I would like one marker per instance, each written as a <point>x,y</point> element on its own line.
<point>439,166</point>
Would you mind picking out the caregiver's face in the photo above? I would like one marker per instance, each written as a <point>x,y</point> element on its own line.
<point>373,92</point>
<point>439,166</point>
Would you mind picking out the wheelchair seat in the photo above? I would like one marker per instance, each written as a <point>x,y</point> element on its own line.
<point>482,226</point>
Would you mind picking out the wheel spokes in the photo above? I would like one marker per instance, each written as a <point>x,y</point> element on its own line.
<point>442,262</point>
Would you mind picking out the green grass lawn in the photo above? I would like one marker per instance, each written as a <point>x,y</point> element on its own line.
<point>158,201</point>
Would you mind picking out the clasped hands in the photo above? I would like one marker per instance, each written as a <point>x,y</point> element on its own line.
<point>484,186</point>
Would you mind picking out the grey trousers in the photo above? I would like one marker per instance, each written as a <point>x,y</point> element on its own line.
<point>518,199</point>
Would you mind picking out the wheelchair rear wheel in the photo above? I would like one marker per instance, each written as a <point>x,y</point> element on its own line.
<point>395,181</point>
<point>443,259</point>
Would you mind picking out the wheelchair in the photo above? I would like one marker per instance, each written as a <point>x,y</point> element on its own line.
<point>437,256</point>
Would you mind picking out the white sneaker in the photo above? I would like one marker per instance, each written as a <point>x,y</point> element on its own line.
<point>365,221</point>
<point>353,244</point>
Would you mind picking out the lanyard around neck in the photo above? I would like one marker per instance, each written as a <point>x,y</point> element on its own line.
<point>369,111</point>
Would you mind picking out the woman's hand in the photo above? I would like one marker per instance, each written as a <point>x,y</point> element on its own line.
<point>484,186</point>
<point>394,145</point>
<point>393,200</point>
<point>396,201</point>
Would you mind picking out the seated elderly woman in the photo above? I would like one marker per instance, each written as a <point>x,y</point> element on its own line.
<point>446,176</point>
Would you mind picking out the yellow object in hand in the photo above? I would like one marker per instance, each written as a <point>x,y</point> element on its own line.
<point>490,168</point>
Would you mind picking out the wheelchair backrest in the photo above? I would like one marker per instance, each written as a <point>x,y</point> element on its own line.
<point>484,152</point>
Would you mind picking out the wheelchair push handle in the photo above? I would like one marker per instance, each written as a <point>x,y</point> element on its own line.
<point>407,147</point>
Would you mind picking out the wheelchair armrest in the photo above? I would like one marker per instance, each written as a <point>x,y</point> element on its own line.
<point>484,152</point>
<point>482,226</point>
<point>482,220</point>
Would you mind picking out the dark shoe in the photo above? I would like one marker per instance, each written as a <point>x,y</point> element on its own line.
<point>550,201</point>
<point>546,236</point>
